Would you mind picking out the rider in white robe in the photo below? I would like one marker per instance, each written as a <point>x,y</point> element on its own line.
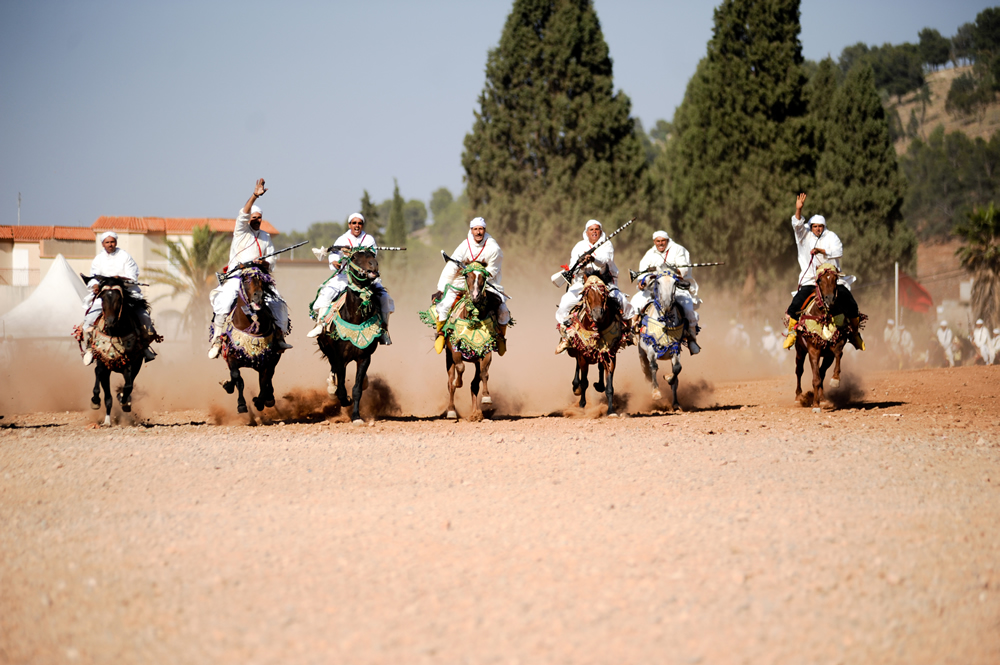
<point>112,262</point>
<point>355,236</point>
<point>981,338</point>
<point>602,260</point>
<point>250,243</point>
<point>666,252</point>
<point>481,247</point>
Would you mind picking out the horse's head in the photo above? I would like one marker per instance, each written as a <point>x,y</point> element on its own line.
<point>112,299</point>
<point>826,283</point>
<point>594,298</point>
<point>362,267</point>
<point>475,274</point>
<point>253,286</point>
<point>665,286</point>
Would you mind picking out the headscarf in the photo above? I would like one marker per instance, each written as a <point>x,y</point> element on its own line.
<point>477,221</point>
<point>979,322</point>
<point>944,324</point>
<point>660,234</point>
<point>588,225</point>
<point>256,208</point>
<point>817,219</point>
<point>108,234</point>
<point>890,322</point>
<point>356,215</point>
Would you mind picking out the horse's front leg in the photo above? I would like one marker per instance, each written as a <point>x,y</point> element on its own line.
<point>104,375</point>
<point>236,380</point>
<point>576,379</point>
<point>835,379</point>
<point>484,376</point>
<point>581,386</point>
<point>452,361</point>
<point>609,390</point>
<point>362,364</point>
<point>340,371</point>
<point>800,361</point>
<point>95,400</point>
<point>266,380</point>
<point>814,361</point>
<point>673,380</point>
<point>651,367</point>
<point>128,374</point>
<point>599,386</point>
<point>477,411</point>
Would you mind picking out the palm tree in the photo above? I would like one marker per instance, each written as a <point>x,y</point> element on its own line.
<point>192,271</point>
<point>980,255</point>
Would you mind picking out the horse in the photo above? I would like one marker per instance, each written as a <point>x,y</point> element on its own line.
<point>249,338</point>
<point>820,335</point>
<point>595,334</point>
<point>353,331</point>
<point>661,335</point>
<point>117,343</point>
<point>471,333</point>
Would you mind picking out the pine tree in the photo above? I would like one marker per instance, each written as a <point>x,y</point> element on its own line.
<point>819,93</point>
<point>742,147</point>
<point>859,186</point>
<point>552,143</point>
<point>395,233</point>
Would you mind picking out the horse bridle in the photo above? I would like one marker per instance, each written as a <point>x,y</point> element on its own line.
<point>121,300</point>
<point>360,274</point>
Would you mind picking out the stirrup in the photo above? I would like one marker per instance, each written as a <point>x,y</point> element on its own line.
<point>149,354</point>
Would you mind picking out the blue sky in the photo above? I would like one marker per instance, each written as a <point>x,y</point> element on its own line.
<point>173,109</point>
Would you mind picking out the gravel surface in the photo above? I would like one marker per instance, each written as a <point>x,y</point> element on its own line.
<point>746,529</point>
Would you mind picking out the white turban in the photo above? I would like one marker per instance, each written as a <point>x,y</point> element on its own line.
<point>591,223</point>
<point>996,331</point>
<point>660,234</point>
<point>944,323</point>
<point>108,234</point>
<point>477,221</point>
<point>817,219</point>
<point>890,322</point>
<point>356,215</point>
<point>979,322</point>
<point>256,208</point>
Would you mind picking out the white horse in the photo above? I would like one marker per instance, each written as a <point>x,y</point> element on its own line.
<point>662,332</point>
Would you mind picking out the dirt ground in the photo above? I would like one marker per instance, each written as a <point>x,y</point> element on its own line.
<point>745,529</point>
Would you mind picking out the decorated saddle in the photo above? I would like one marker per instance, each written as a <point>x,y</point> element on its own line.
<point>817,325</point>
<point>361,335</point>
<point>663,331</point>
<point>470,329</point>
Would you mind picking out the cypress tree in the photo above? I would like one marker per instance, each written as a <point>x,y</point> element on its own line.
<point>395,233</point>
<point>370,212</point>
<point>552,143</point>
<point>742,146</point>
<point>859,186</point>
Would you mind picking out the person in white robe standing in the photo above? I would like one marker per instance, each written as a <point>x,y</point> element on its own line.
<point>666,252</point>
<point>112,261</point>
<point>947,341</point>
<point>602,262</point>
<point>981,338</point>
<point>355,237</point>
<point>250,244</point>
<point>481,247</point>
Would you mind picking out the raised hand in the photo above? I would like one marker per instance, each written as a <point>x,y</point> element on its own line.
<point>259,190</point>
<point>800,201</point>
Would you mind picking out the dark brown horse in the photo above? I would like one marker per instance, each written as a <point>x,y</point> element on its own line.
<point>353,333</point>
<point>117,343</point>
<point>596,333</point>
<point>471,337</point>
<point>250,339</point>
<point>820,336</point>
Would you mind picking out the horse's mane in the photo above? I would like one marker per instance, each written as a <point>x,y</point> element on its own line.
<point>131,304</point>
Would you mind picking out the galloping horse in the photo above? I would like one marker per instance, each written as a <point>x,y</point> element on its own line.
<point>595,334</point>
<point>821,335</point>
<point>662,333</point>
<point>471,334</point>
<point>118,343</point>
<point>249,338</point>
<point>354,328</point>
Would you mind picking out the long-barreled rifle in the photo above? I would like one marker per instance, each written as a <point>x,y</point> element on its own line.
<point>566,276</point>
<point>222,277</point>
<point>633,275</point>
<point>460,264</point>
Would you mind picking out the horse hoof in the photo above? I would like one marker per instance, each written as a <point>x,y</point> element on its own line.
<point>452,415</point>
<point>599,387</point>
<point>816,409</point>
<point>241,408</point>
<point>359,421</point>
<point>127,408</point>
<point>612,415</point>
<point>227,386</point>
<point>834,383</point>
<point>95,404</point>
<point>657,396</point>
<point>487,400</point>
<point>269,402</point>
<point>107,421</point>
<point>577,391</point>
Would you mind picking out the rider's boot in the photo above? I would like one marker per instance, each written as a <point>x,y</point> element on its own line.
<point>693,345</point>
<point>279,341</point>
<point>317,331</point>
<point>790,337</point>
<point>149,354</point>
<point>88,337</point>
<point>219,326</point>
<point>501,338</point>
<point>563,340</point>
<point>385,339</point>
<point>856,340</point>
<point>439,341</point>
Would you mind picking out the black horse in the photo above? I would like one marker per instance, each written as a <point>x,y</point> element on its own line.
<point>251,338</point>
<point>118,343</point>
<point>353,331</point>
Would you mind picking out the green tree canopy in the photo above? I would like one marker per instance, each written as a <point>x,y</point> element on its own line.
<point>552,143</point>
<point>858,185</point>
<point>935,50</point>
<point>898,68</point>
<point>373,221</point>
<point>963,47</point>
<point>396,232</point>
<point>741,145</point>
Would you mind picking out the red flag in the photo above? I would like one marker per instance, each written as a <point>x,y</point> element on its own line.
<point>912,295</point>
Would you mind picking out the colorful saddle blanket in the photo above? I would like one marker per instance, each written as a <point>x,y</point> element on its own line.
<point>465,330</point>
<point>662,332</point>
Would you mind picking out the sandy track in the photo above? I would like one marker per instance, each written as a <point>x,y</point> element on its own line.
<point>749,531</point>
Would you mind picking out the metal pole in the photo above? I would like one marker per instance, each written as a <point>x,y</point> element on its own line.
<point>897,294</point>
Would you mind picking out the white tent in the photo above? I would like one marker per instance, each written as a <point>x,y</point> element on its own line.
<point>55,306</point>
